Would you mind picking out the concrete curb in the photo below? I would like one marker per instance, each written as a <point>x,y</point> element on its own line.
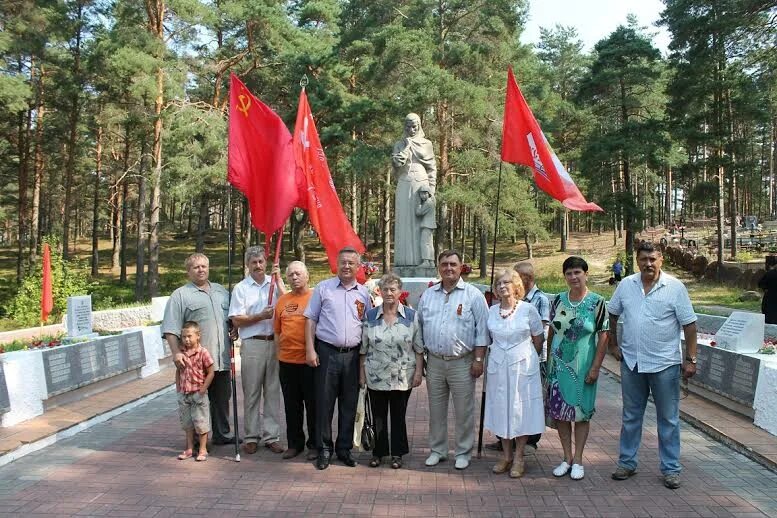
<point>717,435</point>
<point>26,449</point>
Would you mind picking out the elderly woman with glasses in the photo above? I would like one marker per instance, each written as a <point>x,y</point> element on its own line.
<point>514,408</point>
<point>391,365</point>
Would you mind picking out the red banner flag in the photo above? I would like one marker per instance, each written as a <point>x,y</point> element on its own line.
<point>323,205</point>
<point>46,295</point>
<point>261,159</point>
<point>524,143</point>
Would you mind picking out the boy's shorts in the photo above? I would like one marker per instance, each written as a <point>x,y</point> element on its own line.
<point>194,411</point>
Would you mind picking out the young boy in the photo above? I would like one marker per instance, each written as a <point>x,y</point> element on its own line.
<point>192,382</point>
<point>425,212</point>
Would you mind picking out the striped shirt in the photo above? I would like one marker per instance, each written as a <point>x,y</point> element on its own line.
<point>540,302</point>
<point>652,322</point>
<point>453,323</point>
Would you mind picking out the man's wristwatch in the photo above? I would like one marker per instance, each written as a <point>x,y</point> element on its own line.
<point>691,359</point>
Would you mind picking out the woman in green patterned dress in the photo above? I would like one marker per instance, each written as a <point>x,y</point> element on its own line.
<point>578,342</point>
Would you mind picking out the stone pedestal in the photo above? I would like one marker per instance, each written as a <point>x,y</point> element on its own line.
<point>416,271</point>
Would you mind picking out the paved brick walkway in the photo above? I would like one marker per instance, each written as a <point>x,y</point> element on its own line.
<point>127,467</point>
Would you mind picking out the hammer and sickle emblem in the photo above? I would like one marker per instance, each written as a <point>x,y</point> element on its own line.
<point>245,104</point>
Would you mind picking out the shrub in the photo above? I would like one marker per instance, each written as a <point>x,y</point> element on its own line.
<point>67,280</point>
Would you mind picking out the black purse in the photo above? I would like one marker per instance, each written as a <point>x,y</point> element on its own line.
<point>368,430</point>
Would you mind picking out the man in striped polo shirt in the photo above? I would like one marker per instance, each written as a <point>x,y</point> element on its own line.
<point>654,307</point>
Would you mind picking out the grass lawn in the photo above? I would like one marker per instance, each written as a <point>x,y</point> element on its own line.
<point>598,250</point>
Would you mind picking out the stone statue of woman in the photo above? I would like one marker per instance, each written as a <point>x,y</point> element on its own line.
<point>414,166</point>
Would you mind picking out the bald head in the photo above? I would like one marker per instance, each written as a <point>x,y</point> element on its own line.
<point>297,276</point>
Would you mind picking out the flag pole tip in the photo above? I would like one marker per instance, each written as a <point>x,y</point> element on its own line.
<point>303,82</point>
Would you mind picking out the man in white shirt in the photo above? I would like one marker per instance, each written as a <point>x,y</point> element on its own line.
<point>252,313</point>
<point>654,307</point>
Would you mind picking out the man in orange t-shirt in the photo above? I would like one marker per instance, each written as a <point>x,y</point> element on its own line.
<point>296,376</point>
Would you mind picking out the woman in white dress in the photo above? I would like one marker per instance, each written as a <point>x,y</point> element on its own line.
<point>514,405</point>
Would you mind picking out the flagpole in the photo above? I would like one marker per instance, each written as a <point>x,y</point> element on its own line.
<point>233,376</point>
<point>493,262</point>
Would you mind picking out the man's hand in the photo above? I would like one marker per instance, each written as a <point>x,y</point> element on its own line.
<point>417,378</point>
<point>592,375</point>
<point>203,391</point>
<point>362,379</point>
<point>477,369</point>
<point>311,358</point>
<point>180,361</point>
<point>266,313</point>
<point>616,352</point>
<point>689,370</point>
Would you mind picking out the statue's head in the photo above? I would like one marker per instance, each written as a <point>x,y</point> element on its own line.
<point>413,126</point>
<point>424,192</point>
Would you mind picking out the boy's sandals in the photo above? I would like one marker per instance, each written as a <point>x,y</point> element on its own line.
<point>202,457</point>
<point>396,462</point>
<point>185,454</point>
<point>375,462</point>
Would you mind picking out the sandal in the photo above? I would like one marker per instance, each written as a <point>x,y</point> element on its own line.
<point>396,462</point>
<point>202,457</point>
<point>185,454</point>
<point>375,462</point>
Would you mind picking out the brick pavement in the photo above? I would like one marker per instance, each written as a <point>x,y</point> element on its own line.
<point>127,467</point>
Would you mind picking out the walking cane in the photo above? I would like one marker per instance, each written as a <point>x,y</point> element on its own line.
<point>493,262</point>
<point>232,377</point>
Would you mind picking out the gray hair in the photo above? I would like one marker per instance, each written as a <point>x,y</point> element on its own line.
<point>389,278</point>
<point>297,263</point>
<point>525,267</point>
<point>254,251</point>
<point>350,250</point>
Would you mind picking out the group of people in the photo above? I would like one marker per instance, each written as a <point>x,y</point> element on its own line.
<point>319,346</point>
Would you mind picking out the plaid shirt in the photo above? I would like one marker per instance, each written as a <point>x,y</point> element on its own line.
<point>192,376</point>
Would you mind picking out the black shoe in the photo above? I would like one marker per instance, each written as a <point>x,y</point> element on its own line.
<point>218,441</point>
<point>347,459</point>
<point>496,446</point>
<point>323,459</point>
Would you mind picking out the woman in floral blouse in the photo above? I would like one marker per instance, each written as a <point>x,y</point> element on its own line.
<point>391,365</point>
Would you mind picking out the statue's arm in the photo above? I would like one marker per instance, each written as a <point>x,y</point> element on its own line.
<point>401,153</point>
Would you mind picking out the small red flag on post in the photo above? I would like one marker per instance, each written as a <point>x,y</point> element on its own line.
<point>323,205</point>
<point>524,143</point>
<point>261,159</point>
<point>46,294</point>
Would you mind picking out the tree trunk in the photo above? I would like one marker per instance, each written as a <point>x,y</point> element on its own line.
<point>386,235</point>
<point>564,227</point>
<point>98,152</point>
<point>202,224</point>
<point>140,254</point>
<point>529,249</point>
<point>38,165</point>
<point>483,252</point>
<point>22,149</point>
<point>123,235</point>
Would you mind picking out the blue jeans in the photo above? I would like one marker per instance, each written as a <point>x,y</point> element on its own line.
<point>665,387</point>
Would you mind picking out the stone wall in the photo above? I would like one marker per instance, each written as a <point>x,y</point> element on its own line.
<point>734,275</point>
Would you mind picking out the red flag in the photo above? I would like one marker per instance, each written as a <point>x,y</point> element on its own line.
<point>261,160</point>
<point>323,205</point>
<point>46,295</point>
<point>524,143</point>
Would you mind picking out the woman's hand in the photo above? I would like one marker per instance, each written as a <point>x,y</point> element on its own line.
<point>417,378</point>
<point>592,375</point>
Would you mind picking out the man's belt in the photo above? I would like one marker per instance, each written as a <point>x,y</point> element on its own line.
<point>261,337</point>
<point>449,357</point>
<point>335,347</point>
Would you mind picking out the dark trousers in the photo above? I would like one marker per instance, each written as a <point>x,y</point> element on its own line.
<point>219,393</point>
<point>336,380</point>
<point>298,397</point>
<point>395,402</point>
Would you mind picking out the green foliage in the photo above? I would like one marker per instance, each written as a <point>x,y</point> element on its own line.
<point>67,280</point>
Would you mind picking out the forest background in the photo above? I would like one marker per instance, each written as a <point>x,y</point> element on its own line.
<point>113,118</point>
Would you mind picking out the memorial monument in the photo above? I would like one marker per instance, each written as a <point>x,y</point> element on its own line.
<point>415,170</point>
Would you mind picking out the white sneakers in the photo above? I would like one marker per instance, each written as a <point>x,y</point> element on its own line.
<point>561,470</point>
<point>434,458</point>
<point>577,471</point>
<point>461,462</point>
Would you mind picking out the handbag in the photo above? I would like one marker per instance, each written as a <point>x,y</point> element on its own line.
<point>368,429</point>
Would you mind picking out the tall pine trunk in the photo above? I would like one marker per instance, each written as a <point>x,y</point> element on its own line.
<point>98,159</point>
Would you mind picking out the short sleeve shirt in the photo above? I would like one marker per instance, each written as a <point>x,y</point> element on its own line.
<point>652,323</point>
<point>249,298</point>
<point>390,349</point>
<point>453,323</point>
<point>209,309</point>
<point>338,311</point>
<point>192,376</point>
<point>289,326</point>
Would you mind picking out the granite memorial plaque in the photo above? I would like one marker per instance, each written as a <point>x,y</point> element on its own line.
<point>5,401</point>
<point>743,332</point>
<point>79,315</point>
<point>727,373</point>
<point>61,369</point>
<point>136,355</point>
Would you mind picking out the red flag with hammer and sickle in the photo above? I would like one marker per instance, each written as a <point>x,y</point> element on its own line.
<point>261,159</point>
